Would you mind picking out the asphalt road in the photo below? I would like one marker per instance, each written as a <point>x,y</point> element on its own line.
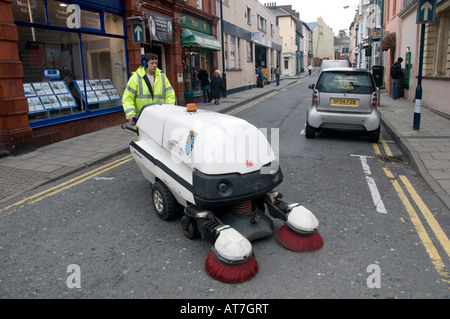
<point>95,234</point>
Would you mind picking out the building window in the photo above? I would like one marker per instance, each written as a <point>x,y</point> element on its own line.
<point>441,29</point>
<point>199,4</point>
<point>377,14</point>
<point>232,63</point>
<point>69,72</point>
<point>249,15</point>
<point>249,51</point>
<point>262,23</point>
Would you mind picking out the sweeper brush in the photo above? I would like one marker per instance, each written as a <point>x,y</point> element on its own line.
<point>229,273</point>
<point>220,172</point>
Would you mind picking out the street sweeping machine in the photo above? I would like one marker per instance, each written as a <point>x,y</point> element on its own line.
<point>220,173</point>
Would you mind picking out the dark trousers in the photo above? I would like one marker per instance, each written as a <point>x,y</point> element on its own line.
<point>396,88</point>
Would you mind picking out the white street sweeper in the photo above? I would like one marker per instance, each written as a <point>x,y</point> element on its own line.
<point>220,172</point>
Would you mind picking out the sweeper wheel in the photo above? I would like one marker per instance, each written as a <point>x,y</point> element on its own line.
<point>164,202</point>
<point>189,227</point>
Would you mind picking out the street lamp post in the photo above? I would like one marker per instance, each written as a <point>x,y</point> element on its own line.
<point>358,53</point>
<point>418,97</point>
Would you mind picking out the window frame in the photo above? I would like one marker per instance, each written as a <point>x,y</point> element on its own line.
<point>87,113</point>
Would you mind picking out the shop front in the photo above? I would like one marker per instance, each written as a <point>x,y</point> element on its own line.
<point>74,65</point>
<point>199,49</point>
<point>266,55</point>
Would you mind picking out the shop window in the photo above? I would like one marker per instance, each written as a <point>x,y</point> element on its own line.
<point>194,60</point>
<point>29,11</point>
<point>50,58</point>
<point>90,20</point>
<point>113,24</point>
<point>103,60</point>
<point>58,15</point>
<point>68,73</point>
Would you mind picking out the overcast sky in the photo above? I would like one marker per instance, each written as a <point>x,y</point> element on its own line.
<point>332,11</point>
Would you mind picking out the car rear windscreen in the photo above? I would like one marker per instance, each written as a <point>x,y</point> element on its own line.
<point>341,82</point>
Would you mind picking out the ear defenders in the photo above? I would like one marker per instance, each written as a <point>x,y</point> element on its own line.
<point>144,63</point>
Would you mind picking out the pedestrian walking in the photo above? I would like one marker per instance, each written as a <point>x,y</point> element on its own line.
<point>277,72</point>
<point>397,77</point>
<point>216,87</point>
<point>310,69</point>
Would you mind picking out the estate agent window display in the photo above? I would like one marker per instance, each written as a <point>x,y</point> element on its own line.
<point>69,71</point>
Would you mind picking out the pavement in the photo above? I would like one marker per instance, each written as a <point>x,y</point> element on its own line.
<point>428,148</point>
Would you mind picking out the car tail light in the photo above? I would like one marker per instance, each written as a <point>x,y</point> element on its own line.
<point>315,97</point>
<point>374,100</point>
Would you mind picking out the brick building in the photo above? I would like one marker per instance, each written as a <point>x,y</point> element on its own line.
<point>65,64</point>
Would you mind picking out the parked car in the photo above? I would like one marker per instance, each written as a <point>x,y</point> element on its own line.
<point>326,64</point>
<point>344,99</point>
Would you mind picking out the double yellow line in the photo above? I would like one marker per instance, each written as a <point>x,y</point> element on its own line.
<point>8,210</point>
<point>433,224</point>
<point>253,103</point>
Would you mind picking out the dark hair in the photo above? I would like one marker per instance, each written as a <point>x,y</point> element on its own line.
<point>400,60</point>
<point>150,56</point>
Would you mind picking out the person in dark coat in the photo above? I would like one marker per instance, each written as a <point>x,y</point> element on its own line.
<point>397,77</point>
<point>217,87</point>
<point>204,83</point>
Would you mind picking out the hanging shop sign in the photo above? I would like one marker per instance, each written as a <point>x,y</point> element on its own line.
<point>160,27</point>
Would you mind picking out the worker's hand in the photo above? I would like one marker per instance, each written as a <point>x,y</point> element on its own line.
<point>132,120</point>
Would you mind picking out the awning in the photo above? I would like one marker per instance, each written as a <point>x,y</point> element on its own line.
<point>190,38</point>
<point>389,40</point>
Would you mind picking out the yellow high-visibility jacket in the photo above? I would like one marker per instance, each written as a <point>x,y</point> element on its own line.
<point>137,94</point>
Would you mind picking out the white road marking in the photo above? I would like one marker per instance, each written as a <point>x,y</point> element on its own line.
<point>376,197</point>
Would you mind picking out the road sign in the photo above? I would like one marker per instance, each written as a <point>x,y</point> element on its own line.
<point>138,32</point>
<point>426,11</point>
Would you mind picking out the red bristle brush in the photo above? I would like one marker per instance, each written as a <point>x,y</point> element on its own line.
<point>299,233</point>
<point>299,243</point>
<point>230,273</point>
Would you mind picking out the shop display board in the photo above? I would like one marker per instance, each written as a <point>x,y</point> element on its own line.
<point>97,90</point>
<point>48,96</point>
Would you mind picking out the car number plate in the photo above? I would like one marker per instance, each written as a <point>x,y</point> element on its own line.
<point>351,102</point>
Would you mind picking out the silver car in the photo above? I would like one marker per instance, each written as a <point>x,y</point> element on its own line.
<point>344,99</point>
